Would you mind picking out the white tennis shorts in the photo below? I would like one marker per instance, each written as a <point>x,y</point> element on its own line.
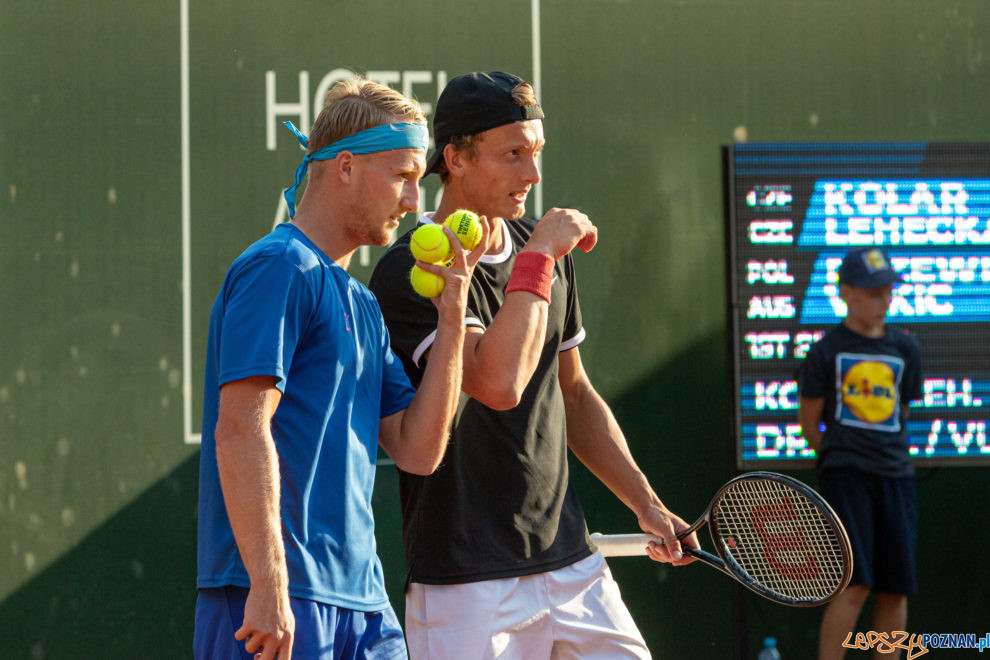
<point>572,612</point>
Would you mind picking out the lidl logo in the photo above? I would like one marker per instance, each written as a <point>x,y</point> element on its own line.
<point>875,261</point>
<point>868,386</point>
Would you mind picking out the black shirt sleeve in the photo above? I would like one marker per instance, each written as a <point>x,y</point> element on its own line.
<point>813,373</point>
<point>411,318</point>
<point>572,324</point>
<point>911,385</point>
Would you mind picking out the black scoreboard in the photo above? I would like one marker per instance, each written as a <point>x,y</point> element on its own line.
<point>793,211</point>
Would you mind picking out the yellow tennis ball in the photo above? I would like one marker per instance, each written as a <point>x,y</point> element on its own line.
<point>467,226</point>
<point>429,243</point>
<point>425,284</point>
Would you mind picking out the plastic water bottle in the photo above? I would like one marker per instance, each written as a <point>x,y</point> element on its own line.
<point>769,651</point>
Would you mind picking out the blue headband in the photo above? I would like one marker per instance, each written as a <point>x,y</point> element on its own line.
<point>377,138</point>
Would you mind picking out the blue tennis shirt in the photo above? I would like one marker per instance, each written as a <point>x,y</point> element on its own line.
<point>286,310</point>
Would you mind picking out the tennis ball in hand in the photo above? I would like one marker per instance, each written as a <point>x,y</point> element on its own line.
<point>425,284</point>
<point>467,226</point>
<point>429,243</point>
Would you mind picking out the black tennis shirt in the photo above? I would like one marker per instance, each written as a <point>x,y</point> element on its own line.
<point>849,370</point>
<point>501,504</point>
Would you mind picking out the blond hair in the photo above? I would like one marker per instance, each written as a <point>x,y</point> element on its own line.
<point>355,105</point>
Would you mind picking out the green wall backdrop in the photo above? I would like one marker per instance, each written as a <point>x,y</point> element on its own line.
<point>115,233</point>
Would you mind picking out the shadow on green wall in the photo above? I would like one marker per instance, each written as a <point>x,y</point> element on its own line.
<point>676,424</point>
<point>126,591</point>
<point>678,427</point>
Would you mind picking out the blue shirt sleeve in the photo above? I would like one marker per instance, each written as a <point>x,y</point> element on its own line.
<point>265,312</point>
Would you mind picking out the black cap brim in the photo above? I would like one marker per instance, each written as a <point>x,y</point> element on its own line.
<point>873,280</point>
<point>877,280</point>
<point>433,164</point>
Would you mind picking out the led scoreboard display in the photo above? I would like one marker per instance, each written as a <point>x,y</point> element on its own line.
<point>793,211</point>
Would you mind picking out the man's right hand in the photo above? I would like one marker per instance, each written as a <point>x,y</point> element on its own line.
<point>560,231</point>
<point>269,624</point>
<point>452,301</point>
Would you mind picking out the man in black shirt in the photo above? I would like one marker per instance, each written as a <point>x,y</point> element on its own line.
<point>499,559</point>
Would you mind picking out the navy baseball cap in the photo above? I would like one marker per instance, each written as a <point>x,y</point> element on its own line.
<point>473,103</point>
<point>867,268</point>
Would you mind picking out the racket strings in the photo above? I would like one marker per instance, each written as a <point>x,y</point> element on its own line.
<point>781,539</point>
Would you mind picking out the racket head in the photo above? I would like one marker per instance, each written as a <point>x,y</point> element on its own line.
<point>780,539</point>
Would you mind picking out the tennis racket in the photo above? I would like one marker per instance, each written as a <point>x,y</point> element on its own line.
<point>775,535</point>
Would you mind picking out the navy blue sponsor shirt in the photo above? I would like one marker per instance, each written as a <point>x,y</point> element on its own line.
<point>865,382</point>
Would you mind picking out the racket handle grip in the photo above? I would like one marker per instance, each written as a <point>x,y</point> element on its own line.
<point>623,545</point>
